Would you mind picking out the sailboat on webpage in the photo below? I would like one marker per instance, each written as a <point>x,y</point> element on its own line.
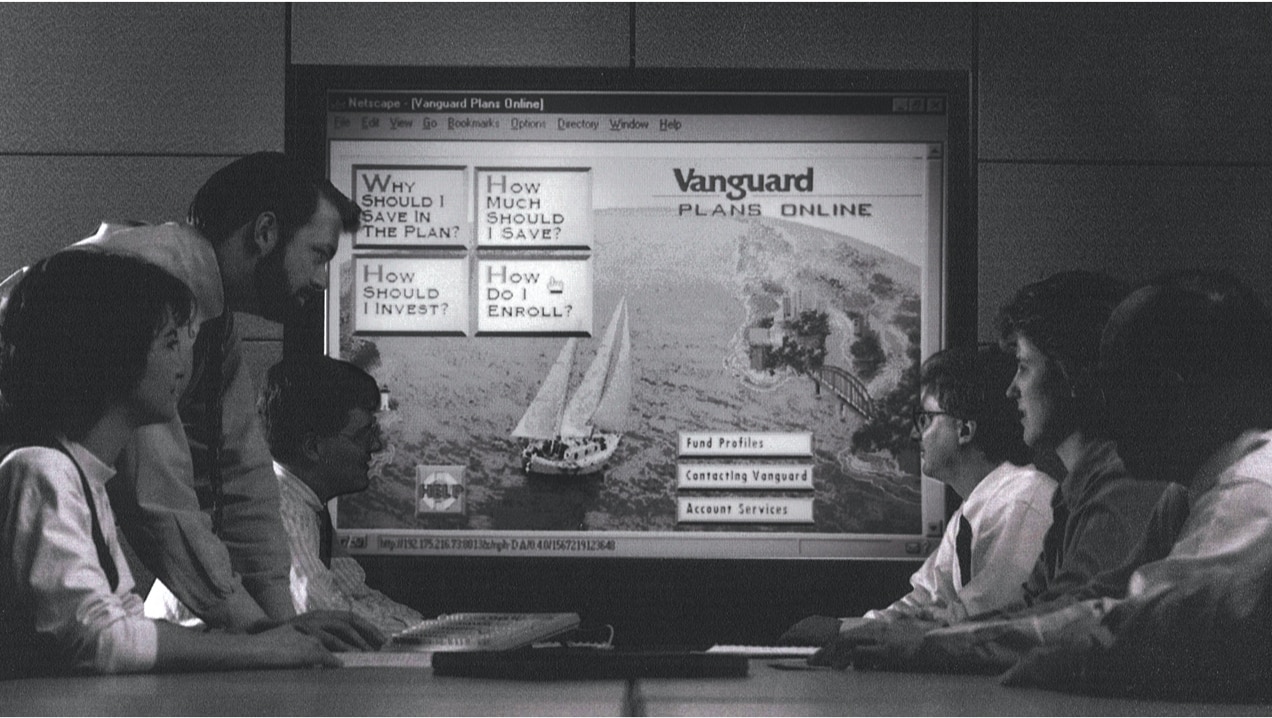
<point>576,437</point>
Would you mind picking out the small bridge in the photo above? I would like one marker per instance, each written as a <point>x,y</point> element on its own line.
<point>850,390</point>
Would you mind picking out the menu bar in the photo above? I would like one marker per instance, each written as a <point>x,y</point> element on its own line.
<point>626,127</point>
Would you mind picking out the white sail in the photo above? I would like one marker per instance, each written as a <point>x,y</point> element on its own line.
<point>577,420</point>
<point>611,413</point>
<point>543,416</point>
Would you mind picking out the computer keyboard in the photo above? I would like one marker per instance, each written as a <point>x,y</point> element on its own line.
<point>481,631</point>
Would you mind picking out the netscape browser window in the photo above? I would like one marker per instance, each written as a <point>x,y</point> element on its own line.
<point>641,322</point>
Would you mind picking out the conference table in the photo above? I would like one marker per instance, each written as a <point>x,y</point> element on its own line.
<point>772,687</point>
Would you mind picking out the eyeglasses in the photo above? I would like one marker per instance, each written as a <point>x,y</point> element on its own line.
<point>922,418</point>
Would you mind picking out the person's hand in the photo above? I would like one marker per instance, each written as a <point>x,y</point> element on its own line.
<point>895,647</point>
<point>811,631</point>
<point>837,652</point>
<point>286,647</point>
<point>339,630</point>
<point>872,643</point>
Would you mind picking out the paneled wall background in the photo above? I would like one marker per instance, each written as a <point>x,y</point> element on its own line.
<point>1125,138</point>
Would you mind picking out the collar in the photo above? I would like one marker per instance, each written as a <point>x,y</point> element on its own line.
<point>988,485</point>
<point>95,470</point>
<point>300,488</point>
<point>1099,463</point>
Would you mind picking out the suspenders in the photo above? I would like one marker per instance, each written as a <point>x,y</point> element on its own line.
<point>99,539</point>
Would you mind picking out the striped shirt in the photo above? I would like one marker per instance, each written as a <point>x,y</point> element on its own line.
<point>343,586</point>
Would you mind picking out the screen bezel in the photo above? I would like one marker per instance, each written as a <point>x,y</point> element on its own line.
<point>306,139</point>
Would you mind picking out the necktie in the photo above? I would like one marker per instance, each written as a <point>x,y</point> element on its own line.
<point>963,549</point>
<point>325,534</point>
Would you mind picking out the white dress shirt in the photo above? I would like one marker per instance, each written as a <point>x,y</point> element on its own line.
<point>1009,512</point>
<point>343,586</point>
<point>51,571</point>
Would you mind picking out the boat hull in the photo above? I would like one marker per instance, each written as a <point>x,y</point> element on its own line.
<point>581,456</point>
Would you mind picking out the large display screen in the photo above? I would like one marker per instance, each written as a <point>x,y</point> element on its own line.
<point>634,318</point>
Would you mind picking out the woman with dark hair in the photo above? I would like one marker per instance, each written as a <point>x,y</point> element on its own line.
<point>1100,509</point>
<point>95,345</point>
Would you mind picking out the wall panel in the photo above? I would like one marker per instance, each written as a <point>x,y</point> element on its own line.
<point>51,201</point>
<point>141,78</point>
<point>514,34</point>
<point>812,35</point>
<point>1126,83</point>
<point>1131,222</point>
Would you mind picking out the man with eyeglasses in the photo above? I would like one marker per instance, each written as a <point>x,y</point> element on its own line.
<point>319,416</point>
<point>970,439</point>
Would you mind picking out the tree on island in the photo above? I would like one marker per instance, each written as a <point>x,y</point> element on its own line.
<point>806,352</point>
<point>811,324</point>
